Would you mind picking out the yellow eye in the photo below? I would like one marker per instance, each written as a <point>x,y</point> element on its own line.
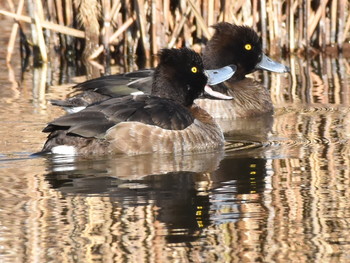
<point>194,69</point>
<point>248,46</point>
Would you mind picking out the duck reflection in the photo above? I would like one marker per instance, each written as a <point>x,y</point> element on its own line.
<point>189,193</point>
<point>236,190</point>
<point>257,128</point>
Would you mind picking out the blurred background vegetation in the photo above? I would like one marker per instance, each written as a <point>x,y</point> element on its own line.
<point>106,30</point>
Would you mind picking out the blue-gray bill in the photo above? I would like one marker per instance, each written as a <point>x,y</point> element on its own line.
<point>268,64</point>
<point>216,76</point>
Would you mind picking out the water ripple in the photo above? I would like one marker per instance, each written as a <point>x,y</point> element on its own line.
<point>315,108</point>
<point>235,145</point>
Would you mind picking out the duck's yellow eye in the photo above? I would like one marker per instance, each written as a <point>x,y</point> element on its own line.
<point>194,69</point>
<point>248,46</point>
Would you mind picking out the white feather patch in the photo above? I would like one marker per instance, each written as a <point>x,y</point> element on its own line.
<point>74,109</point>
<point>64,150</point>
<point>137,93</point>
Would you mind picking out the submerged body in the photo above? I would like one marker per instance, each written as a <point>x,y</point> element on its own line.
<point>166,121</point>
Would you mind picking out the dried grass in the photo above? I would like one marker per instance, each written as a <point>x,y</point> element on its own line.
<point>143,27</point>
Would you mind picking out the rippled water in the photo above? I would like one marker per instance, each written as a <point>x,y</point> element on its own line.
<point>279,193</point>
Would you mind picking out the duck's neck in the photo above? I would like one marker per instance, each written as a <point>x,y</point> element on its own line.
<point>250,98</point>
<point>166,84</point>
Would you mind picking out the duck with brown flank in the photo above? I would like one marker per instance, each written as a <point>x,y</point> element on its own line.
<point>165,121</point>
<point>230,44</point>
<point>241,46</point>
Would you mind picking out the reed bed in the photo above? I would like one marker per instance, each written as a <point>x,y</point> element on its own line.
<point>106,29</point>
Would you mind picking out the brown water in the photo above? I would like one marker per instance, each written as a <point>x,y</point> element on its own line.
<point>279,193</point>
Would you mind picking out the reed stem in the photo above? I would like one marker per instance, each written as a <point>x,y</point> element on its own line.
<point>295,25</point>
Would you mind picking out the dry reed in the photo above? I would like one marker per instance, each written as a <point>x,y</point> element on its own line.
<point>143,27</point>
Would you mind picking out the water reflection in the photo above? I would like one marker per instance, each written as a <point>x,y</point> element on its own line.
<point>279,193</point>
<point>135,167</point>
<point>189,205</point>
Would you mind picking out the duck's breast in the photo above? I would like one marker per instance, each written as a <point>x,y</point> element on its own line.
<point>250,99</point>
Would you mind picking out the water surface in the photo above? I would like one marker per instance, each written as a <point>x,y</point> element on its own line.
<point>279,193</point>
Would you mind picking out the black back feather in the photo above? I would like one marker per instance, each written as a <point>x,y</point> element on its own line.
<point>95,120</point>
<point>112,85</point>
